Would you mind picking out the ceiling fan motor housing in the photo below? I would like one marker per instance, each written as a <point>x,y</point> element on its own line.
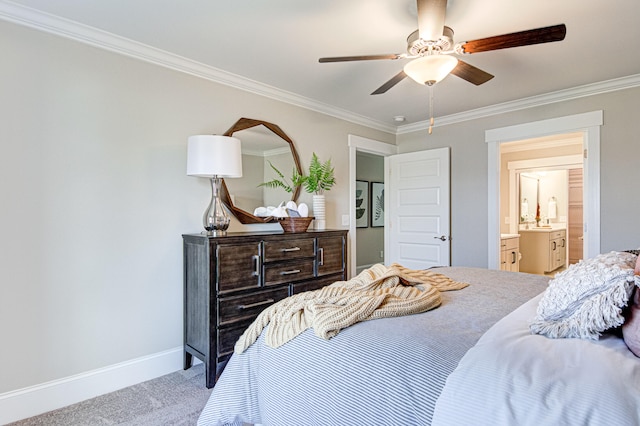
<point>419,47</point>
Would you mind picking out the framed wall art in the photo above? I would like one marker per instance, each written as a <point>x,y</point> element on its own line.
<point>377,204</point>
<point>362,204</point>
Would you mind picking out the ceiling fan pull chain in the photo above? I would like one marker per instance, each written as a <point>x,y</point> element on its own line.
<point>431,108</point>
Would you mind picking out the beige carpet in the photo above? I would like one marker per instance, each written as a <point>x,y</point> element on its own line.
<point>174,399</point>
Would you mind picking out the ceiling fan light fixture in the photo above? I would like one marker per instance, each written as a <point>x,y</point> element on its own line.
<point>430,69</point>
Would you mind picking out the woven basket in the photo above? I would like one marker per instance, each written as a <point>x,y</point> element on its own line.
<point>295,224</point>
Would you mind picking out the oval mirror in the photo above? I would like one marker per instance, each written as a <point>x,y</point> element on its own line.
<point>263,143</point>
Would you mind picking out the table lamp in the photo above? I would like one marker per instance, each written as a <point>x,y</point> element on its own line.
<point>214,157</point>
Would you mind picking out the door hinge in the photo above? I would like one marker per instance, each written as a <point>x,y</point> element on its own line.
<point>585,153</point>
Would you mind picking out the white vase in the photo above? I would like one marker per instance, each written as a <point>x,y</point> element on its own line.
<point>318,212</point>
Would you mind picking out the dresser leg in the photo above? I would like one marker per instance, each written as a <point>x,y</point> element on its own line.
<point>210,374</point>
<point>188,360</point>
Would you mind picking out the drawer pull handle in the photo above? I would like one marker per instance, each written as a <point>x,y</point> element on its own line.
<point>291,249</point>
<point>256,267</point>
<point>253,305</point>
<point>293,271</point>
<point>321,262</point>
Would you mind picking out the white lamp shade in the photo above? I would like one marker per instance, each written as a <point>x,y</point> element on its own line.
<point>214,155</point>
<point>430,69</point>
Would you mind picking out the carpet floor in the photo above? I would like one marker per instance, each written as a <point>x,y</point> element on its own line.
<point>174,399</point>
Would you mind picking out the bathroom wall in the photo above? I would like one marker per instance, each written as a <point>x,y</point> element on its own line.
<point>370,241</point>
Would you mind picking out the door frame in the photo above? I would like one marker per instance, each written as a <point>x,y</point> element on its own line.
<point>371,146</point>
<point>589,124</point>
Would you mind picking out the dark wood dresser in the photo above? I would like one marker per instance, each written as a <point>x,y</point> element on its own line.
<point>229,280</point>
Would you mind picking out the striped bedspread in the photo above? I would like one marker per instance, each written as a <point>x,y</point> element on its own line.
<point>384,371</point>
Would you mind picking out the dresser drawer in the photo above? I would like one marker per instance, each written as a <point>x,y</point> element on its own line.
<point>238,266</point>
<point>279,273</point>
<point>288,249</point>
<point>330,255</point>
<point>228,339</point>
<point>557,234</point>
<point>246,307</point>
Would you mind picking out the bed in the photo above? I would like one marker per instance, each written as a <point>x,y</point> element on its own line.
<point>420,369</point>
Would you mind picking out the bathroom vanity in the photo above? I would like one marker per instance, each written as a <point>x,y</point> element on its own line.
<point>510,252</point>
<point>543,249</point>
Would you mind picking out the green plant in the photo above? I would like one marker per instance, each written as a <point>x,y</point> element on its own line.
<point>321,176</point>
<point>296,180</point>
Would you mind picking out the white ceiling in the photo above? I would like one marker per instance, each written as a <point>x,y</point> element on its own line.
<point>278,42</point>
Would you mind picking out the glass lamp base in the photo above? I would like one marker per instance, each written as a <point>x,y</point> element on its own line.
<point>215,218</point>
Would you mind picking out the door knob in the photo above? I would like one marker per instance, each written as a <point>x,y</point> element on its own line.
<point>442,237</point>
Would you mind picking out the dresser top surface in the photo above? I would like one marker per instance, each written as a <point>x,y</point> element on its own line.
<point>309,233</point>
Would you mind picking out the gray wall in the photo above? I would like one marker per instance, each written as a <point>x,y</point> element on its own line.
<point>620,173</point>
<point>95,198</point>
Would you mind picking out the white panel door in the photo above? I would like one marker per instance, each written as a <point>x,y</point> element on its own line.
<point>419,209</point>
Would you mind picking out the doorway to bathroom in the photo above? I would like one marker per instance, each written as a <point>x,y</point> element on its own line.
<point>589,125</point>
<point>542,201</point>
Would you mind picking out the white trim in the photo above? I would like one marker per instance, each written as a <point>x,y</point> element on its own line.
<point>533,101</point>
<point>33,400</point>
<point>359,143</point>
<point>552,126</point>
<point>493,201</point>
<point>56,25</point>
<point>589,123</point>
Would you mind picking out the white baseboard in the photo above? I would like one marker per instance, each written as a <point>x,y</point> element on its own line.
<point>38,399</point>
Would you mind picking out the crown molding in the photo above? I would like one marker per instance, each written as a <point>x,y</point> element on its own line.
<point>533,101</point>
<point>56,25</point>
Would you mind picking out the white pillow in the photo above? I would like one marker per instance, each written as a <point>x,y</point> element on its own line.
<point>587,298</point>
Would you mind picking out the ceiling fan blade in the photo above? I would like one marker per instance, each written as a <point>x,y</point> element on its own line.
<point>431,14</point>
<point>522,38</point>
<point>470,73</point>
<point>389,84</point>
<point>360,58</point>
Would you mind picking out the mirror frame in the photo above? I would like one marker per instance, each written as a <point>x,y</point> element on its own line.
<point>243,124</point>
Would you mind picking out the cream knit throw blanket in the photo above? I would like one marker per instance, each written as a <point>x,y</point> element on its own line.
<point>377,292</point>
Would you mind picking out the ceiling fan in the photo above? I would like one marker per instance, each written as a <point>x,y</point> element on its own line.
<point>432,48</point>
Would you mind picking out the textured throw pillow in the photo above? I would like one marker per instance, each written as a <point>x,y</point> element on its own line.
<point>587,298</point>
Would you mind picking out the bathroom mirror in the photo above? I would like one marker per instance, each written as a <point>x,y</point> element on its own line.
<point>262,143</point>
<point>529,189</point>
